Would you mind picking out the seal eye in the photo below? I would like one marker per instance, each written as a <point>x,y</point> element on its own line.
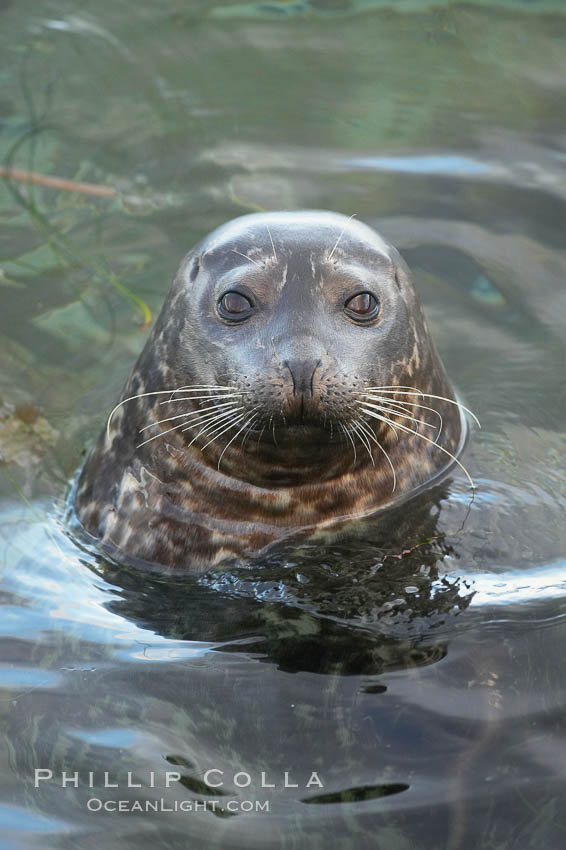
<point>234,306</point>
<point>362,307</point>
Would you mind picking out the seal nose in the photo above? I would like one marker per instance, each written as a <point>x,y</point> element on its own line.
<point>302,373</point>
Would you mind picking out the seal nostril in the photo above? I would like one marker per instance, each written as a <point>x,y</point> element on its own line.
<point>302,373</point>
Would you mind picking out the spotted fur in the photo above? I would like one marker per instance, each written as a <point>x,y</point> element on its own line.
<point>172,503</point>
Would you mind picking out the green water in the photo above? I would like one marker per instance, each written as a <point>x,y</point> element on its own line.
<point>427,691</point>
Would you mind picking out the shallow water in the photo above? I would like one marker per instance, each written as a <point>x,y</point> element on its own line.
<point>420,676</point>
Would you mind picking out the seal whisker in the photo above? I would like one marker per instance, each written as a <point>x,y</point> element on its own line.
<point>414,391</point>
<point>209,421</point>
<point>385,419</point>
<point>161,434</point>
<point>206,429</point>
<point>341,235</point>
<point>245,437</point>
<point>222,390</point>
<point>406,406</point>
<point>349,436</point>
<point>372,436</point>
<point>167,431</point>
<point>203,397</point>
<point>186,415</point>
<point>428,440</point>
<point>402,415</point>
<point>227,428</point>
<point>363,439</point>
<point>246,423</point>
<point>165,392</point>
<point>132,398</point>
<point>247,258</point>
<point>198,387</point>
<point>260,434</point>
<point>272,245</point>
<point>204,415</point>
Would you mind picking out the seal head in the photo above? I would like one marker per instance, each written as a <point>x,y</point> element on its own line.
<point>289,382</point>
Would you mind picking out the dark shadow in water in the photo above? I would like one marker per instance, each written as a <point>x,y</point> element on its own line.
<point>359,795</point>
<point>367,602</point>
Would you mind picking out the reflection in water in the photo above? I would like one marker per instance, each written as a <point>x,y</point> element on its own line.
<point>366,603</point>
<point>383,708</point>
<point>416,667</point>
<point>357,795</point>
<point>422,164</point>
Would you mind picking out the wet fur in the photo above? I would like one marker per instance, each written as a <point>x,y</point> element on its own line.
<point>157,498</point>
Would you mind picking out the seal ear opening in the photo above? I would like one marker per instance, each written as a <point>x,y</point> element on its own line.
<point>194,269</point>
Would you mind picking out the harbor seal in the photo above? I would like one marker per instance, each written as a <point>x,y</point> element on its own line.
<point>289,382</point>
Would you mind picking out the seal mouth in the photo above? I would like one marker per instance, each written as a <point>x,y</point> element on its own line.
<point>302,411</point>
<point>297,406</point>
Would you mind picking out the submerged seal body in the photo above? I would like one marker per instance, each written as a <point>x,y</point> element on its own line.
<point>289,382</point>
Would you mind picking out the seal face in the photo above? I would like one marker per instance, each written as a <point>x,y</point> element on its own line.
<point>289,382</point>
